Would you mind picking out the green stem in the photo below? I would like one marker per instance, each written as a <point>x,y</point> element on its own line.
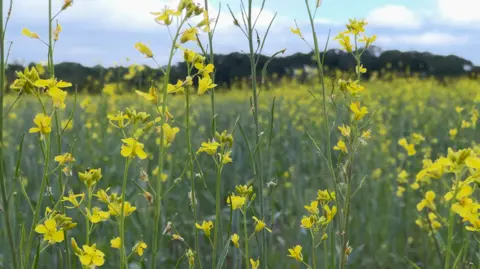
<point>211,60</point>
<point>313,251</point>
<point>190,160</point>
<point>87,221</point>
<point>218,222</point>
<point>245,236</point>
<point>259,164</point>
<point>158,192</point>
<point>39,203</point>
<point>5,202</point>
<point>122,216</point>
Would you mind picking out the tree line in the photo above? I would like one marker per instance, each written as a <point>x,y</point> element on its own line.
<point>235,66</point>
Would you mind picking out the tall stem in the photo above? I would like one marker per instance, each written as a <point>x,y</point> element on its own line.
<point>245,235</point>
<point>38,207</point>
<point>218,221</point>
<point>259,164</point>
<point>192,174</point>
<point>161,149</point>
<point>5,202</point>
<point>87,221</point>
<point>211,60</point>
<point>122,216</point>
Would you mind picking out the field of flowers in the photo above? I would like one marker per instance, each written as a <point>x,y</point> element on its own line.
<point>334,172</point>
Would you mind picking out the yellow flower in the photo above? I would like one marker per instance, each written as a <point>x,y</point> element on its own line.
<point>475,222</point>
<point>237,202</point>
<point>367,40</point>
<point>345,130</point>
<point>400,191</point>
<point>459,109</point>
<point>139,248</point>
<point>143,49</point>
<point>308,222</point>
<point>355,26</point>
<point>57,31</point>
<point>191,258</point>
<point>119,118</point>
<point>254,264</point>
<point>296,253</point>
<point>205,70</point>
<point>116,242</point>
<point>26,32</point>
<point>132,149</point>
<point>206,227</point>
<point>410,148</point>
<point>177,237</point>
<point>165,16</point>
<point>91,256</point>
<point>91,176</point>
<point>325,196</point>
<point>204,84</point>
<point>343,39</point>
<point>50,232</point>
<point>464,191</point>
<point>72,198</point>
<point>64,159</point>
<point>43,124</point>
<point>226,157</point>
<point>235,238</point>
<point>150,96</point>
<point>177,88</point>
<point>296,31</point>
<point>169,133</point>
<point>209,147</point>
<point>329,213</point>
<point>54,90</point>
<point>427,201</point>
<point>66,4</point>
<point>354,88</point>
<point>189,35</point>
<point>260,225</point>
<point>341,146</point>
<point>360,69</point>
<point>115,209</point>
<point>25,81</point>
<point>453,133</point>
<point>205,23</point>
<point>358,110</point>
<point>97,215</point>
<point>367,134</point>
<point>313,207</point>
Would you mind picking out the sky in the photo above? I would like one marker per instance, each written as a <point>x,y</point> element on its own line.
<point>105,31</point>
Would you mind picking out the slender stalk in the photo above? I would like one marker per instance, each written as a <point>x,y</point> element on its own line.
<point>324,94</point>
<point>161,149</point>
<point>259,164</point>
<point>190,160</point>
<point>5,202</point>
<point>245,236</point>
<point>211,60</point>
<point>218,222</point>
<point>39,203</point>
<point>314,263</point>
<point>87,221</point>
<point>122,216</point>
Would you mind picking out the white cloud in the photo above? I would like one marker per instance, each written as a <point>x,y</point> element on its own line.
<point>423,39</point>
<point>394,16</point>
<point>459,11</point>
